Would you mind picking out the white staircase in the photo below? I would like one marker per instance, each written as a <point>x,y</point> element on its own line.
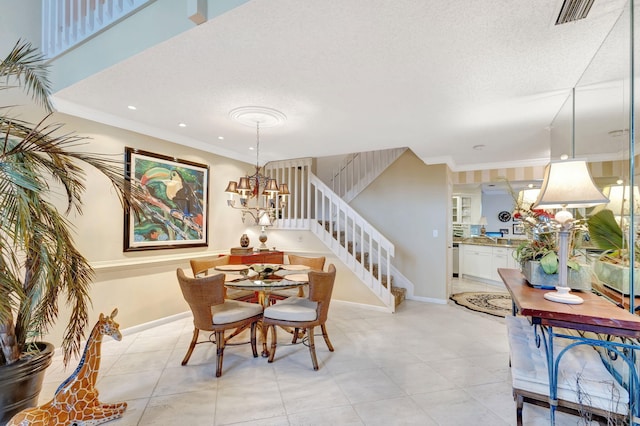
<point>357,171</point>
<point>353,240</point>
<point>314,206</point>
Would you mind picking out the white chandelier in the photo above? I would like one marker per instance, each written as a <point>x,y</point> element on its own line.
<point>259,196</point>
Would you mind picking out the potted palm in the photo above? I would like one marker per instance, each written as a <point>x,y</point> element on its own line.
<point>39,262</point>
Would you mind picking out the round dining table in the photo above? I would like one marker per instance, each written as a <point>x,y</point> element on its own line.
<point>243,277</point>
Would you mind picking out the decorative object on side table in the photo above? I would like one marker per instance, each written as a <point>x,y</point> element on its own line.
<point>76,399</point>
<point>538,255</point>
<point>567,184</point>
<point>244,240</point>
<point>264,221</point>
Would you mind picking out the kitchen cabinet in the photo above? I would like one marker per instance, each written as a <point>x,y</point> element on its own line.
<point>460,209</point>
<point>502,258</point>
<point>483,261</point>
<point>476,261</point>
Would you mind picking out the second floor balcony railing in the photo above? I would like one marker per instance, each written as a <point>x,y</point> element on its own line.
<point>67,23</point>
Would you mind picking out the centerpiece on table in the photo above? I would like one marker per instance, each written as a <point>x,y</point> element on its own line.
<point>264,270</point>
<point>538,255</point>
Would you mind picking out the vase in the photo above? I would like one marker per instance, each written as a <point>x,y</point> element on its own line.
<point>21,381</point>
<point>576,279</point>
<point>244,240</point>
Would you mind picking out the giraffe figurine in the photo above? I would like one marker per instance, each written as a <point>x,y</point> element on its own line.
<point>75,402</point>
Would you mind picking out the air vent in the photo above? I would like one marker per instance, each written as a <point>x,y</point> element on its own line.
<point>574,10</point>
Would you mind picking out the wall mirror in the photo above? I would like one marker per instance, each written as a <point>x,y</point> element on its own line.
<point>594,124</point>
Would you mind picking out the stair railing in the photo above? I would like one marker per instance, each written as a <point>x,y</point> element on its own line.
<point>357,171</point>
<point>352,239</point>
<point>314,206</point>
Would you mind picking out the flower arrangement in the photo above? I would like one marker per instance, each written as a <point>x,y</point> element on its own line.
<point>542,237</point>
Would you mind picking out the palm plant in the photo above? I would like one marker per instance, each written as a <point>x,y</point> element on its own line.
<point>607,234</point>
<point>39,262</point>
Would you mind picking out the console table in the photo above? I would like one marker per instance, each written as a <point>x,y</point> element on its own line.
<point>270,256</point>
<point>596,315</point>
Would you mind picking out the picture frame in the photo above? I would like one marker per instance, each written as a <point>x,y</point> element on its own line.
<point>175,205</point>
<point>518,228</point>
<point>505,231</point>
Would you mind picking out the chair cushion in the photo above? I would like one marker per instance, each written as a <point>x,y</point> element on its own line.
<point>234,310</point>
<point>293,309</point>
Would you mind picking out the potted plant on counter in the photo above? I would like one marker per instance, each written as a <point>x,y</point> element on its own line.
<point>612,266</point>
<point>39,262</point>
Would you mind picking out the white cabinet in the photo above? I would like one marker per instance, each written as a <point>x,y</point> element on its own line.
<point>502,258</point>
<point>477,261</point>
<point>461,209</point>
<point>483,261</point>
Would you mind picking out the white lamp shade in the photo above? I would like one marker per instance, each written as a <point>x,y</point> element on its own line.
<point>264,219</point>
<point>568,184</point>
<point>620,199</point>
<point>483,221</point>
<point>527,197</point>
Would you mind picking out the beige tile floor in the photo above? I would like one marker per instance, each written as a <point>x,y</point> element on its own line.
<point>427,364</point>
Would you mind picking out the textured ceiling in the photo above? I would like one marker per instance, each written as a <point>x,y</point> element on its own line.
<point>439,77</point>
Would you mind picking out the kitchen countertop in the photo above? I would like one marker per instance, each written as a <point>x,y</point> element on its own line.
<point>504,242</point>
<point>490,242</point>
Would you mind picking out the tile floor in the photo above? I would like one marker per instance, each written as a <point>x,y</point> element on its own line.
<point>427,364</point>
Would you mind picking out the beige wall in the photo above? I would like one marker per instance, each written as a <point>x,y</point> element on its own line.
<point>407,203</point>
<point>142,285</point>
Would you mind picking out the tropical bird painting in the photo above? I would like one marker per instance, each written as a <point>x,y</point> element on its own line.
<point>174,202</point>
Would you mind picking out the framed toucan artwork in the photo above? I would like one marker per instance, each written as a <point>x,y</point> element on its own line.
<point>173,202</point>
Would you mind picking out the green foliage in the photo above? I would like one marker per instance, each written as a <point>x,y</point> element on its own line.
<point>605,232</point>
<point>607,235</point>
<point>39,262</point>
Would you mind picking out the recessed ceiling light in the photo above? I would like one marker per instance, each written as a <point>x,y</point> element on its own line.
<point>221,138</point>
<point>564,157</point>
<point>478,147</point>
<point>251,148</point>
<point>182,125</point>
<point>131,107</point>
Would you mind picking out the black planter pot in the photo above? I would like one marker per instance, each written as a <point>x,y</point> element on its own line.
<point>21,382</point>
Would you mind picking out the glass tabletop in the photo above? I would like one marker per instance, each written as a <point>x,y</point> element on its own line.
<point>267,284</point>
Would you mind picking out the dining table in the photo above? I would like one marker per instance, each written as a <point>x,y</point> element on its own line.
<point>278,277</point>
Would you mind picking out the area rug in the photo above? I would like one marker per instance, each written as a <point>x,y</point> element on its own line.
<point>498,304</point>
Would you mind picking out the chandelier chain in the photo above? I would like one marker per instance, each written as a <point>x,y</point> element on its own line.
<point>257,145</point>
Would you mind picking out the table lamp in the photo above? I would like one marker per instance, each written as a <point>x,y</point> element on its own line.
<point>483,223</point>
<point>567,184</point>
<point>263,221</point>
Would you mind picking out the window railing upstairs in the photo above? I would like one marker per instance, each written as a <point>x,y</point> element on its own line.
<point>67,23</point>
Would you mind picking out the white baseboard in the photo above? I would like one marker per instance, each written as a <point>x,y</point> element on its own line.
<point>154,323</point>
<point>139,327</point>
<point>362,305</point>
<point>427,300</point>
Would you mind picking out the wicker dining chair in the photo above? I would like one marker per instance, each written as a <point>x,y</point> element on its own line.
<point>212,312</point>
<point>201,267</point>
<point>303,313</point>
<point>314,264</point>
